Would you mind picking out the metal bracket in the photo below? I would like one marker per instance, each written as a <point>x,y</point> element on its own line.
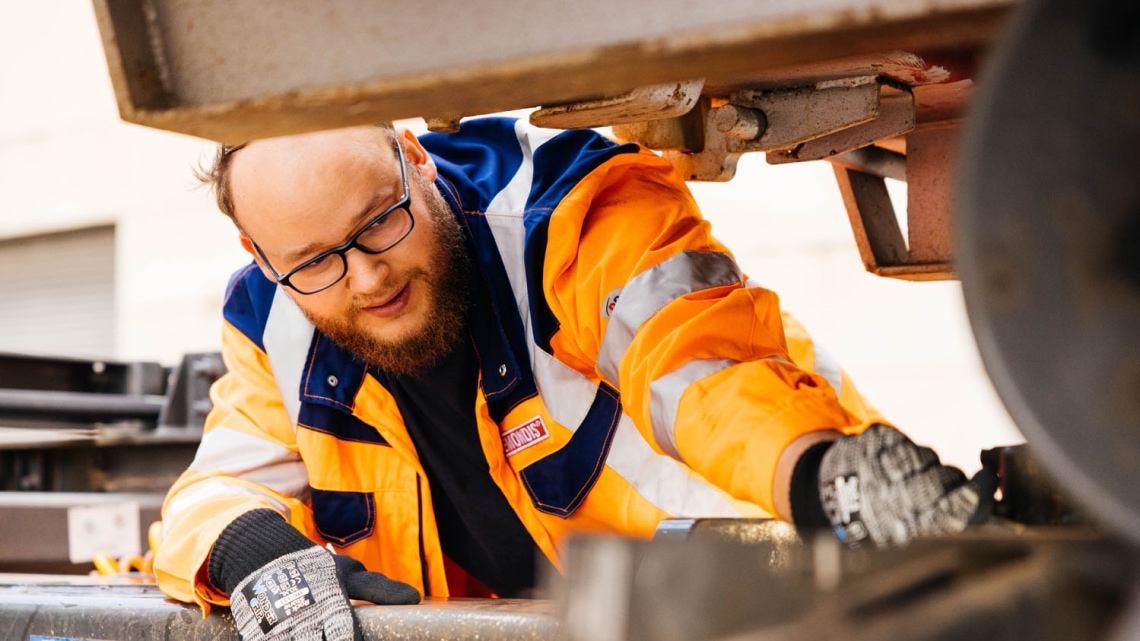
<point>771,120</point>
<point>650,103</point>
<point>798,115</point>
<point>896,117</point>
<point>861,176</point>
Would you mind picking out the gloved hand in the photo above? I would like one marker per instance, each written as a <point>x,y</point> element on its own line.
<point>879,486</point>
<point>283,586</point>
<point>296,596</point>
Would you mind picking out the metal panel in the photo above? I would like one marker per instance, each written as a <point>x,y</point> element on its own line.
<point>57,295</point>
<point>34,528</point>
<point>241,69</point>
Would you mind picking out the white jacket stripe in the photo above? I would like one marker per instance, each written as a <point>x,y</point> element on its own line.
<point>665,395</point>
<point>252,459</point>
<point>661,480</point>
<point>287,337</point>
<point>192,496</point>
<point>827,366</point>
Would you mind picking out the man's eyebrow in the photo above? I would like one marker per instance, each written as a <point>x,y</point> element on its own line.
<point>314,248</point>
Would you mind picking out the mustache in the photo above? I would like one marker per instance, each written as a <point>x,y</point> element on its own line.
<point>359,303</point>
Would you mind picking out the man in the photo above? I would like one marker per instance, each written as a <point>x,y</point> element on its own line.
<point>458,350</point>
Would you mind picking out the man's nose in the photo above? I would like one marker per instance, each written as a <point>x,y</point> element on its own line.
<point>366,273</point>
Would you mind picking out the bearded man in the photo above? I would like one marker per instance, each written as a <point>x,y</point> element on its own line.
<point>452,352</point>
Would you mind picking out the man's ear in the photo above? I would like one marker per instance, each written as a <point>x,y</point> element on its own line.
<point>248,245</point>
<point>417,156</point>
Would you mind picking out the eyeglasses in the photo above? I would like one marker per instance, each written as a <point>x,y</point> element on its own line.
<point>380,234</point>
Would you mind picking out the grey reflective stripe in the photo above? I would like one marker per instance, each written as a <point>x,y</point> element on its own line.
<point>287,337</point>
<point>254,459</point>
<point>827,366</point>
<point>651,290</point>
<point>665,395</point>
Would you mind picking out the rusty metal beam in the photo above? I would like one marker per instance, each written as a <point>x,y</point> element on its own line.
<point>236,70</point>
<point>877,231</point>
<point>875,161</point>
<point>931,151</point>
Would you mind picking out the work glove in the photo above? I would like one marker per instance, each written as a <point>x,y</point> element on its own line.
<point>880,487</point>
<point>283,586</point>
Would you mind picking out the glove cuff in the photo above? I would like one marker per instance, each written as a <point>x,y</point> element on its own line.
<point>807,509</point>
<point>249,542</point>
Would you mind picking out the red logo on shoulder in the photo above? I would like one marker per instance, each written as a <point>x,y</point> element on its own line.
<point>519,438</point>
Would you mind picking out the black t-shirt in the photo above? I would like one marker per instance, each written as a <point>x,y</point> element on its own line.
<point>478,529</point>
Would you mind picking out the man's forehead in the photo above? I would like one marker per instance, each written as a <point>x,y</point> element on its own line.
<point>314,173</point>
<point>317,146</point>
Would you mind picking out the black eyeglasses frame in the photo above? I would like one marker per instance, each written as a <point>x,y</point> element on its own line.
<point>404,203</point>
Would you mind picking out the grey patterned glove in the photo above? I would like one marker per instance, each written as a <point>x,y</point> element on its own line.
<point>283,586</point>
<point>879,486</point>
<point>296,596</point>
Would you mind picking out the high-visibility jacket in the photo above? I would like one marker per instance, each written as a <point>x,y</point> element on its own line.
<point>629,372</point>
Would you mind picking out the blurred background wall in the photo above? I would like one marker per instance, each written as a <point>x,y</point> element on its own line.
<point>109,249</point>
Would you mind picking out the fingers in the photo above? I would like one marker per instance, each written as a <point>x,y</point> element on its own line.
<point>373,587</point>
<point>346,566</point>
<point>379,589</point>
<point>341,626</point>
<point>950,514</point>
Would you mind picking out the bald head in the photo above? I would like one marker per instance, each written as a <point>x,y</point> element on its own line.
<point>219,174</point>
<point>287,167</point>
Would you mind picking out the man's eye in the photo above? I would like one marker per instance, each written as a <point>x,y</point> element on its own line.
<point>319,263</point>
<point>380,224</point>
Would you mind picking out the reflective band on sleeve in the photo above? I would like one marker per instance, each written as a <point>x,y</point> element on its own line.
<point>214,488</point>
<point>651,290</point>
<point>252,459</point>
<point>665,395</point>
<point>827,366</point>
<point>287,337</point>
<point>661,480</point>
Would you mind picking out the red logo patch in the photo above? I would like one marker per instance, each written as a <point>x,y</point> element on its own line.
<point>519,438</point>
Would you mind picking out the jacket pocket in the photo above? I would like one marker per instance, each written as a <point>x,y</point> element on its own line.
<point>343,518</point>
<point>558,483</point>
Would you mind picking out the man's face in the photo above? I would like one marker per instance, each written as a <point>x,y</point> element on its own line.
<point>297,196</point>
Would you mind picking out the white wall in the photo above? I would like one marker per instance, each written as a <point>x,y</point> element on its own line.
<point>66,161</point>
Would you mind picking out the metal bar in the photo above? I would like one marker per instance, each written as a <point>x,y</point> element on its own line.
<point>931,152</point>
<point>84,404</point>
<point>874,161</point>
<point>85,608</point>
<point>877,231</point>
